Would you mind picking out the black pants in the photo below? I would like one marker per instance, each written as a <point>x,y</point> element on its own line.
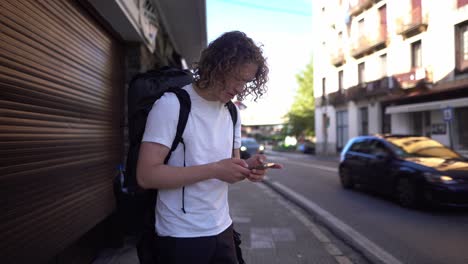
<point>219,249</point>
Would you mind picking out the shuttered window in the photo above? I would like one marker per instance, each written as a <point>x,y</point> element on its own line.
<point>60,126</point>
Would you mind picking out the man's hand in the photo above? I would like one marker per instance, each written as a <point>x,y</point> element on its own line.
<point>257,172</point>
<point>232,170</point>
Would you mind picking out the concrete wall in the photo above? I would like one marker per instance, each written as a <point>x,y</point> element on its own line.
<point>401,123</point>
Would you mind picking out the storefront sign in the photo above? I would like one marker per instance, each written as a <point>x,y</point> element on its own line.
<point>439,129</point>
<point>149,23</point>
<point>448,113</point>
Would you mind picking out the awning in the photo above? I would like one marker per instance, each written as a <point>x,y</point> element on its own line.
<point>433,105</point>
<point>185,21</point>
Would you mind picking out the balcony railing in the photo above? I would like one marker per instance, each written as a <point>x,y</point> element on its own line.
<point>337,98</point>
<point>338,58</point>
<point>412,23</point>
<point>381,86</point>
<point>359,7</point>
<point>386,86</point>
<point>322,101</point>
<point>414,77</point>
<point>369,44</point>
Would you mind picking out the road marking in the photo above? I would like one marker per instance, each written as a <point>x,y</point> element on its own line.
<point>368,246</point>
<point>320,167</point>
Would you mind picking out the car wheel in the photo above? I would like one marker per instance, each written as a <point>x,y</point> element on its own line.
<point>346,179</point>
<point>406,193</point>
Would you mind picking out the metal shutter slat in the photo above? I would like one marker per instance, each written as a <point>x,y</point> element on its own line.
<point>61,108</point>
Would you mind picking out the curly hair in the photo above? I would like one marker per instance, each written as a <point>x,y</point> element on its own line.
<point>223,57</point>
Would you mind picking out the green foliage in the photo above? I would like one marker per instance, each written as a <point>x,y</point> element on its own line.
<point>283,148</point>
<point>301,116</point>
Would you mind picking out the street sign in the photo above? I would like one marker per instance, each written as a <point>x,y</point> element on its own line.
<point>448,113</point>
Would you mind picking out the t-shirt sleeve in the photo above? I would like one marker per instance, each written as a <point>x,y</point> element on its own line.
<point>161,124</point>
<point>237,136</point>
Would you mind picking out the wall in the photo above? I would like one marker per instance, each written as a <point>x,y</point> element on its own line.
<point>401,123</point>
<point>375,118</point>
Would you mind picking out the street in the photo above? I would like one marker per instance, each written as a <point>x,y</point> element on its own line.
<point>392,234</point>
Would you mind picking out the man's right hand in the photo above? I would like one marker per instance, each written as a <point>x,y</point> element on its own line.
<point>232,170</point>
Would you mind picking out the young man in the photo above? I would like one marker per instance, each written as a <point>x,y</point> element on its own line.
<point>193,224</point>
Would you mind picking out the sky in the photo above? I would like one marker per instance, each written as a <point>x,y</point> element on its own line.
<point>284,28</point>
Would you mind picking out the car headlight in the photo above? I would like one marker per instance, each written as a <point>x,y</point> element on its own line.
<point>437,178</point>
<point>261,147</point>
<point>243,148</point>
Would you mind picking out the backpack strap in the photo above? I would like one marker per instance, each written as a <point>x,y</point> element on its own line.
<point>185,106</point>
<point>233,112</point>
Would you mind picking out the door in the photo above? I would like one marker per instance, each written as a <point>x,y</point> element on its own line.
<point>356,160</point>
<point>379,167</point>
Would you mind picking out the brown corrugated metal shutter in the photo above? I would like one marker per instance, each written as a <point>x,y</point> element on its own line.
<point>60,126</point>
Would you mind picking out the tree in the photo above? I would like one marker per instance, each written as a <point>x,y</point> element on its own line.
<point>301,116</point>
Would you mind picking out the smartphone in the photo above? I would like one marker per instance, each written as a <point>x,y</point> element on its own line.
<point>265,166</point>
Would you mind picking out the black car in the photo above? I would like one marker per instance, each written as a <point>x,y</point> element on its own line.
<point>414,169</point>
<point>249,147</point>
<point>307,147</point>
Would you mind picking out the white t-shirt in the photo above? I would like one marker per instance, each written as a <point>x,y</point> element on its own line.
<point>208,137</point>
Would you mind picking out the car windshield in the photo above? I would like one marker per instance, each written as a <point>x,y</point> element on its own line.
<point>249,142</point>
<point>420,147</point>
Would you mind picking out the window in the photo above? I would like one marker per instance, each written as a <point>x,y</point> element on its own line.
<point>461,141</point>
<point>421,122</point>
<point>383,65</point>
<point>461,47</point>
<point>377,147</point>
<point>416,55</point>
<point>361,28</point>
<point>324,91</point>
<point>340,81</point>
<point>361,73</point>
<point>341,129</point>
<point>364,118</point>
<point>383,22</point>
<point>361,146</point>
<point>386,123</point>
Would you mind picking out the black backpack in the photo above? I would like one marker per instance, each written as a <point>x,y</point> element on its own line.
<point>135,205</point>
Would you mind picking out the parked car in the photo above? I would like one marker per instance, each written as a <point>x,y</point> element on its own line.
<point>414,169</point>
<point>249,147</point>
<point>307,147</point>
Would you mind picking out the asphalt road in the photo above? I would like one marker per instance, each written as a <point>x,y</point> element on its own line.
<point>407,236</point>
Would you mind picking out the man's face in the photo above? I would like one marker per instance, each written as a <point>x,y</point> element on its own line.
<point>236,82</point>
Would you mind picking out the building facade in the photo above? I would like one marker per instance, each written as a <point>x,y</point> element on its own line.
<point>64,69</point>
<point>397,67</point>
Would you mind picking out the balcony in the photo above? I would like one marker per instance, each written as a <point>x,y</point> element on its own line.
<point>359,7</point>
<point>338,58</point>
<point>337,98</point>
<point>412,23</point>
<point>381,87</point>
<point>322,101</point>
<point>413,78</point>
<point>371,43</point>
<point>356,92</point>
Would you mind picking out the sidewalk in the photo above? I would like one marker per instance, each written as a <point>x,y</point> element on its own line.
<point>273,231</point>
